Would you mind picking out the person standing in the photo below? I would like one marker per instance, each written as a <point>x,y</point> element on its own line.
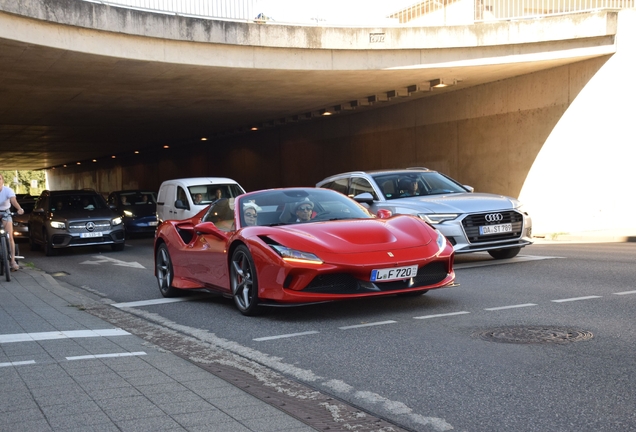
<point>7,198</point>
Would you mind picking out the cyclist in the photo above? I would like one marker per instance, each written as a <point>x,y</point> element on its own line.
<point>7,198</point>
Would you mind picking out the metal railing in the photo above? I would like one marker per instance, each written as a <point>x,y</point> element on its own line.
<point>422,13</point>
<point>239,10</point>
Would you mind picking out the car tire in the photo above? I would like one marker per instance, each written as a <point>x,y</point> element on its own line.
<point>118,247</point>
<point>504,253</point>
<point>165,275</point>
<point>244,282</point>
<point>48,246</point>
<point>32,244</point>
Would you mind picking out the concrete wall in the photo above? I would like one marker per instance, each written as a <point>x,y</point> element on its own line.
<point>488,136</point>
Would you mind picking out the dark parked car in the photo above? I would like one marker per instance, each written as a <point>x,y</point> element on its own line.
<point>21,222</point>
<point>70,218</point>
<point>138,208</point>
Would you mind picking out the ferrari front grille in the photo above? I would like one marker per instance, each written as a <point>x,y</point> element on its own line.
<point>344,283</point>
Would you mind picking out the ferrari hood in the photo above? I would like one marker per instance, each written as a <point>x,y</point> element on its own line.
<point>455,203</point>
<point>356,236</point>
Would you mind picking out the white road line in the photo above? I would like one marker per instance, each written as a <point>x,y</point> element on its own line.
<point>20,363</point>
<point>285,336</point>
<point>84,357</point>
<point>575,299</point>
<point>155,301</point>
<point>31,337</point>
<point>625,293</point>
<point>441,315</point>
<point>510,307</point>
<point>367,325</point>
<point>517,259</point>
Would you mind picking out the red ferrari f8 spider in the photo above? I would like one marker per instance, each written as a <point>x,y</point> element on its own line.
<point>283,247</point>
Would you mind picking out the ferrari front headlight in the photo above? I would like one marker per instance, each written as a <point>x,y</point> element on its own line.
<point>128,213</point>
<point>289,254</point>
<point>441,240</point>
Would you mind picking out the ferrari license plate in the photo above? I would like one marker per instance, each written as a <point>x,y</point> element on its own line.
<point>495,229</point>
<point>91,234</point>
<point>395,273</point>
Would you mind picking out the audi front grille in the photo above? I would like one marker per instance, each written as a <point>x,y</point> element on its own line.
<point>471,224</point>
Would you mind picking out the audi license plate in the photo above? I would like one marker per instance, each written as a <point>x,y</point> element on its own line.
<point>395,273</point>
<point>91,234</point>
<point>495,229</point>
<point>153,223</point>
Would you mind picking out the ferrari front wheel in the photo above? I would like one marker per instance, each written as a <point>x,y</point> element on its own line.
<point>244,282</point>
<point>163,265</point>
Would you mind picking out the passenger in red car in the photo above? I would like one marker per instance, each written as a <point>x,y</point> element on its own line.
<point>304,211</point>
<point>250,213</point>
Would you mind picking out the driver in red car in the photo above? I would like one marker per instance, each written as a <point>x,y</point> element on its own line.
<point>304,211</point>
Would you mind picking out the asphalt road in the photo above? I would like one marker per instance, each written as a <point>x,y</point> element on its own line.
<point>438,361</point>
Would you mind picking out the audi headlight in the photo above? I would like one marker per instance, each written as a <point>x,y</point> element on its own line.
<point>295,255</point>
<point>437,218</point>
<point>117,221</point>
<point>58,225</point>
<point>128,213</point>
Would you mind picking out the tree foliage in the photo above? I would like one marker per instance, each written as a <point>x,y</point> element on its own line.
<point>21,181</point>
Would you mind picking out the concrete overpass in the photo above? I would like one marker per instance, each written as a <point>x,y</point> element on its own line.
<point>83,82</point>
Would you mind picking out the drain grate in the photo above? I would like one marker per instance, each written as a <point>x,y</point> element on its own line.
<point>534,335</point>
<point>59,273</point>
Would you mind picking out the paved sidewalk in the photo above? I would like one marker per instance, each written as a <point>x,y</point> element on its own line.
<point>62,368</point>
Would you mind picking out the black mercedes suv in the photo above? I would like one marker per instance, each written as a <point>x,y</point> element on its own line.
<point>70,218</point>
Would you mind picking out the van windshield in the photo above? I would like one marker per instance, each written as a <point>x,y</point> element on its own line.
<point>206,194</point>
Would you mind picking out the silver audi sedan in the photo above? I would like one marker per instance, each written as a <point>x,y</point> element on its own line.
<point>471,221</point>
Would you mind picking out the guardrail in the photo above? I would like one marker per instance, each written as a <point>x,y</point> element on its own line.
<point>422,13</point>
<point>239,10</point>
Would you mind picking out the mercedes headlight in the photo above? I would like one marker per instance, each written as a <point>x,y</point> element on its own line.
<point>437,218</point>
<point>117,221</point>
<point>288,254</point>
<point>58,225</point>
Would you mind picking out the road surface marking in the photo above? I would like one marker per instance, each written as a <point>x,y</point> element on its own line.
<point>510,307</point>
<point>72,334</point>
<point>155,301</point>
<point>85,357</point>
<point>441,315</point>
<point>20,363</point>
<point>575,299</point>
<point>367,325</point>
<point>285,336</point>
<point>625,293</point>
<point>104,259</point>
<point>518,258</point>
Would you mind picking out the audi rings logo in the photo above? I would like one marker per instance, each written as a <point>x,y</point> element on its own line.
<point>90,226</point>
<point>494,217</point>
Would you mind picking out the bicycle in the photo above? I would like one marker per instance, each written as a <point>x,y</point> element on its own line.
<point>5,249</point>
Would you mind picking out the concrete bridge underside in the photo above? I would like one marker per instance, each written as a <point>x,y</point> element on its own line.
<point>82,81</point>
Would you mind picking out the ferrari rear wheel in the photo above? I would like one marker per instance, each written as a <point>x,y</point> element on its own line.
<point>163,265</point>
<point>244,282</point>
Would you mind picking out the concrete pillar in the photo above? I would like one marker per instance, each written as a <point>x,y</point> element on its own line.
<point>583,178</point>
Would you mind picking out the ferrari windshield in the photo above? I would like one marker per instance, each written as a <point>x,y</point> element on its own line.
<point>409,184</point>
<point>290,206</point>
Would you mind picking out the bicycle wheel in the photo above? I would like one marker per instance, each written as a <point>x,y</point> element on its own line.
<point>5,257</point>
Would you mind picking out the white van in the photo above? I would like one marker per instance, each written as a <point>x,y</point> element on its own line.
<point>183,198</point>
